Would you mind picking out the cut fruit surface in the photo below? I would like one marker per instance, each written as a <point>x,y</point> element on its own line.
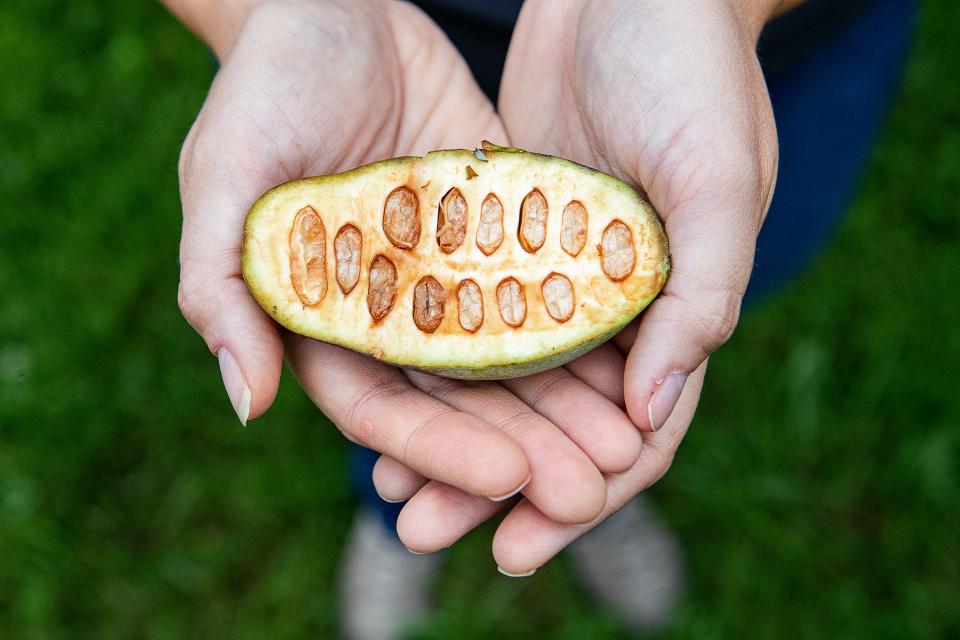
<point>480,265</point>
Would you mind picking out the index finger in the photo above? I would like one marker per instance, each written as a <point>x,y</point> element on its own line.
<point>375,405</point>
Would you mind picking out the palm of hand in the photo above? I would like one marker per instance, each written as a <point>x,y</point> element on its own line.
<point>399,88</point>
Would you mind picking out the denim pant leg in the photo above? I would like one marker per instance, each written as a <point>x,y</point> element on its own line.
<point>828,107</point>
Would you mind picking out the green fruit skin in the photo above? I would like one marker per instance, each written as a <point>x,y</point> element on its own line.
<point>483,370</point>
<point>520,369</point>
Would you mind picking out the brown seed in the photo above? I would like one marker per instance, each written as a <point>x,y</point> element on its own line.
<point>451,221</point>
<point>401,218</point>
<point>490,229</point>
<point>512,302</point>
<point>429,298</point>
<point>558,296</point>
<point>617,254</point>
<point>382,290</point>
<point>533,221</point>
<point>346,250</point>
<point>308,256</point>
<point>470,304</point>
<point>573,228</point>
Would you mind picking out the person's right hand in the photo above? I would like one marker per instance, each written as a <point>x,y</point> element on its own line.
<point>310,88</point>
<point>668,96</point>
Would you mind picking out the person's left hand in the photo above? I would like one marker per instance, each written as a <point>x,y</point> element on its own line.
<point>285,105</point>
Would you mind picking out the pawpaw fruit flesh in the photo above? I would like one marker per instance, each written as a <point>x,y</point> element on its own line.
<point>485,264</point>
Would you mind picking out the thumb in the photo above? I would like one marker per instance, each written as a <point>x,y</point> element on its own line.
<point>713,237</point>
<point>212,295</point>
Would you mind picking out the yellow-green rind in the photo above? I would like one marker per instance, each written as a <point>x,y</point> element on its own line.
<point>483,366</point>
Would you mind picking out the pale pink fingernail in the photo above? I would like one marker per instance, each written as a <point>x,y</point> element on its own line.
<point>388,500</point>
<point>525,574</point>
<point>509,495</point>
<point>665,399</point>
<point>237,388</point>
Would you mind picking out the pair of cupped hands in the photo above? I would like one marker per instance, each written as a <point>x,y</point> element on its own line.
<point>665,94</point>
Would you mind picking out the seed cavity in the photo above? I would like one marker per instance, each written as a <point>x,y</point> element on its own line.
<point>558,297</point>
<point>617,253</point>
<point>451,221</point>
<point>346,250</point>
<point>308,256</point>
<point>490,229</point>
<point>382,289</point>
<point>533,221</point>
<point>512,302</point>
<point>470,305</point>
<point>429,298</point>
<point>573,228</point>
<point>401,218</point>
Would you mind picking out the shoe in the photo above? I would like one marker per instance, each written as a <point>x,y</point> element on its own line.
<point>633,566</point>
<point>383,587</point>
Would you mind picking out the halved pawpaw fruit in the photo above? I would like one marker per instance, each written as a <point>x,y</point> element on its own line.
<point>484,264</point>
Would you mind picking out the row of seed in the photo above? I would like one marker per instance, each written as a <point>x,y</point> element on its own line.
<point>401,222</point>
<point>429,299</point>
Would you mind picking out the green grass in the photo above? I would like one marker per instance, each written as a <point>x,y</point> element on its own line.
<point>816,493</point>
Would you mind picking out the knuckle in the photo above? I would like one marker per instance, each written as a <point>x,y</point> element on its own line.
<point>719,318</point>
<point>550,385</point>
<point>658,467</point>
<point>360,419</point>
<point>187,299</point>
<point>187,152</point>
<point>664,464</point>
<point>517,423</point>
<point>443,389</point>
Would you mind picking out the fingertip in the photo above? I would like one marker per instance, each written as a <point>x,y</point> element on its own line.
<point>521,544</point>
<point>664,399</point>
<point>651,405</point>
<point>577,494</point>
<point>498,470</point>
<point>394,481</point>
<point>243,338</point>
<point>253,386</point>
<point>590,504</point>
<point>238,390</point>
<point>616,455</point>
<point>417,528</point>
<point>439,515</point>
<point>613,441</point>
<point>512,492</point>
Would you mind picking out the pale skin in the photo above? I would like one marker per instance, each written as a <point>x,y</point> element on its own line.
<point>315,87</point>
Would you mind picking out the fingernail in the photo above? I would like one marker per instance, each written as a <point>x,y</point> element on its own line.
<point>665,399</point>
<point>388,500</point>
<point>512,493</point>
<point>525,574</point>
<point>237,388</point>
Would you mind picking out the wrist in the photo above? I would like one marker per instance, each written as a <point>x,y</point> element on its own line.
<point>216,22</point>
<point>755,14</point>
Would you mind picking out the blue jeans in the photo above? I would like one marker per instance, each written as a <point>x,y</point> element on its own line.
<point>828,105</point>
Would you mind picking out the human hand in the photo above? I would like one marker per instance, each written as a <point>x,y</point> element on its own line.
<point>669,97</point>
<point>309,88</point>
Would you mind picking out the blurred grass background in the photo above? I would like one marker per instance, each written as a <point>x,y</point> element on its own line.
<point>816,494</point>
